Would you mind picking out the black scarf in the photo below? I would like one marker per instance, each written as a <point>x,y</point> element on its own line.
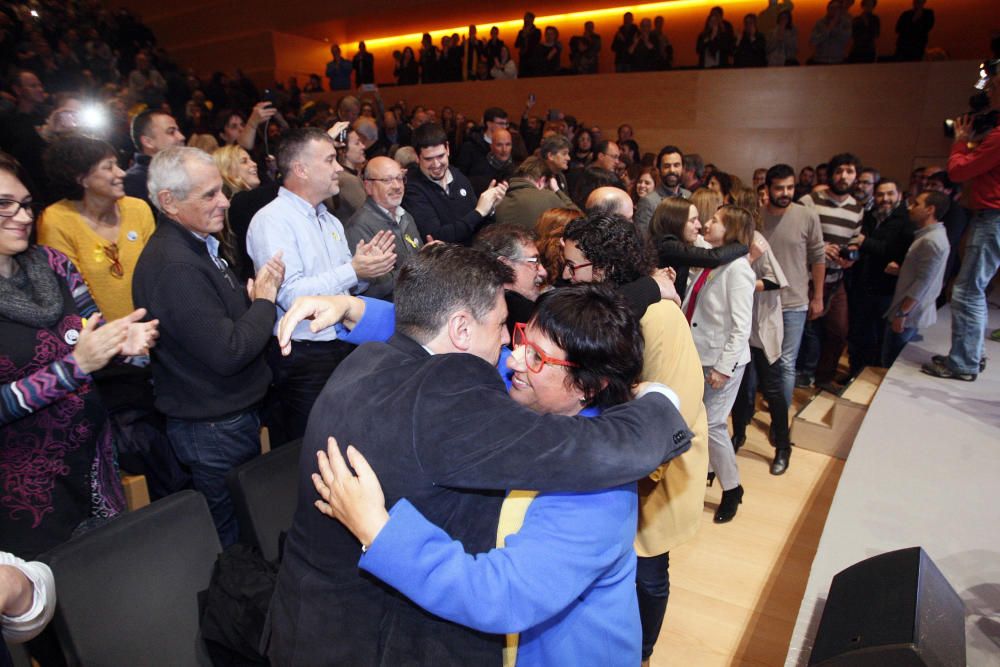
<point>32,295</point>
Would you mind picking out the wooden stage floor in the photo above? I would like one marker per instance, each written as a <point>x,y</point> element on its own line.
<point>735,589</point>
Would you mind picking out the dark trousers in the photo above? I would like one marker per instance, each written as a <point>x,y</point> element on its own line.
<point>825,337</point>
<point>652,585</point>
<point>211,449</point>
<point>895,342</point>
<point>768,378</point>
<point>298,380</point>
<point>866,328</point>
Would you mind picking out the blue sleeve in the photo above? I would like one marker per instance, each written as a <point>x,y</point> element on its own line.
<point>566,543</point>
<point>376,325</point>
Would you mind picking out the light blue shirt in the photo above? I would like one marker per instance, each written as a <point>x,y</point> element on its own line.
<point>315,252</point>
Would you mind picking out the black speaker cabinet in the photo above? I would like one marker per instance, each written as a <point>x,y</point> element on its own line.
<point>892,610</point>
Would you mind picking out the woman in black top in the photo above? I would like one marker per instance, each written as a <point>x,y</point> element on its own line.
<point>407,71</point>
<point>752,49</point>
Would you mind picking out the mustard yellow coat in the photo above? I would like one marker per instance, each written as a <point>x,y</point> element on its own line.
<point>671,500</point>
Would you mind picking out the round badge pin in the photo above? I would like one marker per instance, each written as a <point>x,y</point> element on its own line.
<point>132,235</point>
<point>462,192</point>
<point>71,337</point>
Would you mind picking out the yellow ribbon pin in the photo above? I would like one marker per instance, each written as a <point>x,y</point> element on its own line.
<point>409,239</point>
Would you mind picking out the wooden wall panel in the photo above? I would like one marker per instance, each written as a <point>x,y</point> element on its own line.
<point>889,114</point>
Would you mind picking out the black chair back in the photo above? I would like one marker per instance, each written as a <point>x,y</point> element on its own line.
<point>128,590</point>
<point>265,492</point>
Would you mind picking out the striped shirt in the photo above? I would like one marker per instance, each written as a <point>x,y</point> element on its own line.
<point>841,221</point>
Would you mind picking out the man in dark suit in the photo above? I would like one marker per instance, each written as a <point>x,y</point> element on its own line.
<point>431,414</point>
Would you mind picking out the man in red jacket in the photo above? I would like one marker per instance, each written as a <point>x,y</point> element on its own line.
<point>974,158</point>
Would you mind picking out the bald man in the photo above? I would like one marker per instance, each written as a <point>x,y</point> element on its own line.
<point>384,181</point>
<point>611,201</point>
<point>498,165</point>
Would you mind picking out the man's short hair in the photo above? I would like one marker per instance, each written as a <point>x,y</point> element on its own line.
<point>493,113</point>
<point>876,174</point>
<point>777,173</point>
<point>534,168</point>
<point>839,160</point>
<point>348,101</point>
<point>367,130</point>
<point>429,135</point>
<point>503,240</point>
<point>667,150</point>
<point>692,162</point>
<point>292,145</point>
<point>168,171</point>
<point>888,181</point>
<point>141,124</point>
<point>602,146</point>
<point>591,178</point>
<point>945,181</point>
<point>940,201</point>
<point>554,143</point>
<point>441,279</point>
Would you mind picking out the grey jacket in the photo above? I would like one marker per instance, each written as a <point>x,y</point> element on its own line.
<point>921,276</point>
<point>370,219</point>
<point>646,206</point>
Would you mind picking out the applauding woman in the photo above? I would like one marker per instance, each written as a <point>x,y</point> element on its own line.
<point>57,462</point>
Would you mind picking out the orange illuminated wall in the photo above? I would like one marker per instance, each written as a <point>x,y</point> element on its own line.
<point>219,34</point>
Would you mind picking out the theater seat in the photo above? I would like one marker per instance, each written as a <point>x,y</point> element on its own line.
<point>264,493</point>
<point>128,590</point>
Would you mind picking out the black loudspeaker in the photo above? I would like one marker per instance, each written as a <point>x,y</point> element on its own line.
<point>892,610</point>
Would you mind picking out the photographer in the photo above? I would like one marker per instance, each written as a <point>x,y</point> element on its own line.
<point>975,158</point>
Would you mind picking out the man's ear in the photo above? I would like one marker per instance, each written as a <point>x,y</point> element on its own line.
<point>460,330</point>
<point>168,203</point>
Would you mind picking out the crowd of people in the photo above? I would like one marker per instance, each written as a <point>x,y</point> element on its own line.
<point>769,38</point>
<point>161,302</point>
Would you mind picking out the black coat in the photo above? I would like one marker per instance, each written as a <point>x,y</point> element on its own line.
<point>681,256</point>
<point>442,432</point>
<point>884,243</point>
<point>447,216</point>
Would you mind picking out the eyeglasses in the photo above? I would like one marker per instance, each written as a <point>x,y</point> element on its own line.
<point>11,207</point>
<point>111,253</point>
<point>573,268</point>
<point>534,358</point>
<point>527,260</point>
<point>388,180</point>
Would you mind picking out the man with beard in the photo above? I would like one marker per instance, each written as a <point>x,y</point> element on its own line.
<point>670,162</point>
<point>864,187</point>
<point>886,234</point>
<point>796,239</point>
<point>515,246</point>
<point>840,215</point>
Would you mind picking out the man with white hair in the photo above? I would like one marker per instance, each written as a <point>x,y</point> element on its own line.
<point>208,366</point>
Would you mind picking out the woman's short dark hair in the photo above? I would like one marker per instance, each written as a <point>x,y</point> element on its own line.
<point>595,327</point>
<point>725,182</point>
<point>71,158</point>
<point>614,245</point>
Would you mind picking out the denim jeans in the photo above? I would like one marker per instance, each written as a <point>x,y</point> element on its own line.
<point>652,584</point>
<point>795,322</point>
<point>211,449</point>
<point>968,297</point>
<point>893,343</point>
<point>718,404</point>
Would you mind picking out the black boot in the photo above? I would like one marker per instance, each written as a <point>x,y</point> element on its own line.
<point>780,463</point>
<point>731,500</point>
<point>738,441</point>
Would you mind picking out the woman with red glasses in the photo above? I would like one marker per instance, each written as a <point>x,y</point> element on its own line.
<point>564,575</point>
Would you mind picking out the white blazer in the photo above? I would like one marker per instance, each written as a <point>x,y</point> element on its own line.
<point>720,324</point>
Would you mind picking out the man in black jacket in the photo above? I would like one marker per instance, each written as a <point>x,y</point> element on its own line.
<point>208,367</point>
<point>432,416</point>
<point>887,233</point>
<point>473,157</point>
<point>440,197</point>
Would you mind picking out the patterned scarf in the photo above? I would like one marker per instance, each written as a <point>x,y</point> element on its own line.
<point>32,295</point>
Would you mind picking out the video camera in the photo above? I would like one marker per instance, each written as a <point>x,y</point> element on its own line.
<point>983,117</point>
